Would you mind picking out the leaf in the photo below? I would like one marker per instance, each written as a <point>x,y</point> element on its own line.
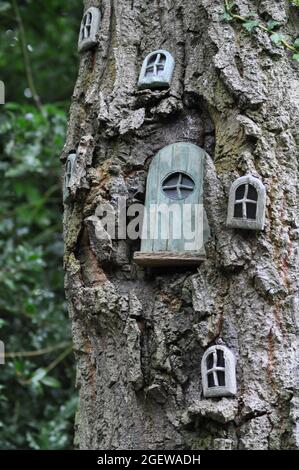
<point>296,43</point>
<point>12,106</point>
<point>276,38</point>
<point>251,14</point>
<point>230,5</point>
<point>272,24</point>
<point>296,57</point>
<point>9,283</point>
<point>4,6</point>
<point>51,382</point>
<point>19,366</point>
<point>38,375</point>
<point>250,25</point>
<point>226,17</point>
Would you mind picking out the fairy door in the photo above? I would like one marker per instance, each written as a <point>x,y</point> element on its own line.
<point>174,226</point>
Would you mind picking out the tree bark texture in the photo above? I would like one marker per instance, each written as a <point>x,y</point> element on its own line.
<point>139,334</point>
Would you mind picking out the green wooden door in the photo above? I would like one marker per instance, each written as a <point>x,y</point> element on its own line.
<point>174,219</point>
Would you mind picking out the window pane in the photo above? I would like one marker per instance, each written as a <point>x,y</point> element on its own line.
<point>240,191</point>
<point>152,59</point>
<point>171,180</point>
<point>238,211</point>
<point>221,378</point>
<point>210,361</point>
<point>211,382</point>
<point>160,69</point>
<point>89,18</point>
<point>172,193</point>
<point>162,60</point>
<point>252,193</point>
<point>149,72</point>
<point>187,181</point>
<point>220,358</point>
<point>186,192</point>
<point>251,210</point>
<point>68,168</point>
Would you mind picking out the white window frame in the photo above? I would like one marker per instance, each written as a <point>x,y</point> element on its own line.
<point>229,369</point>
<point>156,80</point>
<point>243,222</point>
<point>87,41</point>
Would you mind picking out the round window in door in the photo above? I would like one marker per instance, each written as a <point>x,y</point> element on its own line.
<point>178,185</point>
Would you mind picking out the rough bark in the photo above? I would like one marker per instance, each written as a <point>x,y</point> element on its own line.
<point>139,334</point>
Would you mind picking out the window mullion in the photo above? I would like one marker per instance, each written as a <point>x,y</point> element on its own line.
<point>215,378</point>
<point>244,209</point>
<point>214,359</point>
<point>156,64</point>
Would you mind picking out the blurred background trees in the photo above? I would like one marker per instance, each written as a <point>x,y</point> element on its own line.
<point>38,42</point>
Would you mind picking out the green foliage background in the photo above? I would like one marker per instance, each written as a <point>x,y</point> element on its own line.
<point>37,392</point>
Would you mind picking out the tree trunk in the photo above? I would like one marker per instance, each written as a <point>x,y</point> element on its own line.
<point>139,334</point>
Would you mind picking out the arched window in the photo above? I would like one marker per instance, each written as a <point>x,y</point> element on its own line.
<point>89,27</point>
<point>157,70</point>
<point>218,371</point>
<point>86,29</point>
<point>68,173</point>
<point>247,203</point>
